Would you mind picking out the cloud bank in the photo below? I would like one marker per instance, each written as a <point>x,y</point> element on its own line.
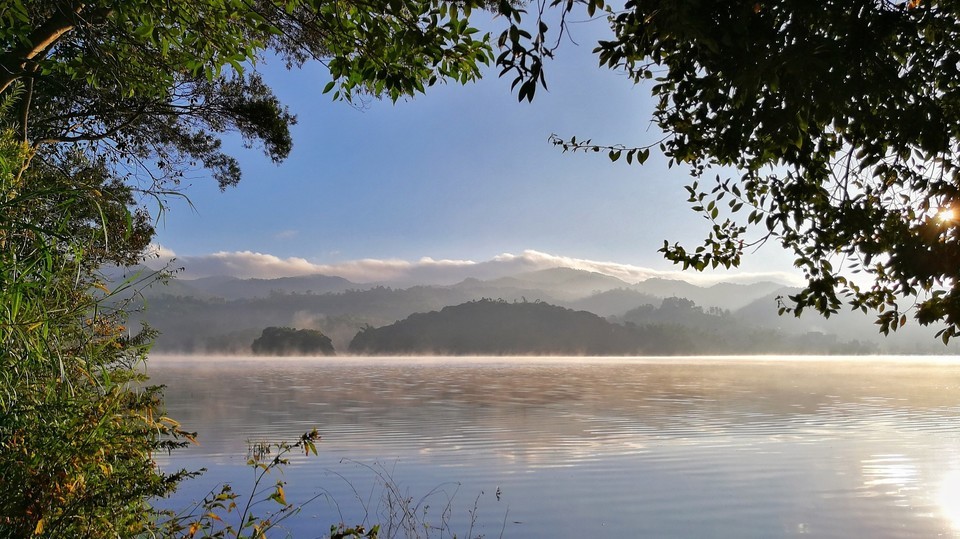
<point>249,264</point>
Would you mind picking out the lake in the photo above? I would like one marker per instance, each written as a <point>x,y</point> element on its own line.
<point>588,447</point>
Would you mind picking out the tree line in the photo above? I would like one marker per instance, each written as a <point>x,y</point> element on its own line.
<point>496,327</point>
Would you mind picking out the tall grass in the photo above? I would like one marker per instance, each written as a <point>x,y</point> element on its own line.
<point>77,430</point>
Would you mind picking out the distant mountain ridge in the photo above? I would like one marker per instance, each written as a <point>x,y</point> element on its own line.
<point>561,284</point>
<point>233,288</point>
<point>221,313</point>
<point>224,314</point>
<point>724,295</point>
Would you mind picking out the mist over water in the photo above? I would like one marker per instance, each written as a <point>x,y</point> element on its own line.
<point>636,447</point>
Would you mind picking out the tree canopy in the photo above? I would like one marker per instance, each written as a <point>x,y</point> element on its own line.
<point>285,341</point>
<point>149,87</point>
<point>830,127</point>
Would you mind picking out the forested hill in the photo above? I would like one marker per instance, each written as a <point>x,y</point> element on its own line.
<point>499,328</point>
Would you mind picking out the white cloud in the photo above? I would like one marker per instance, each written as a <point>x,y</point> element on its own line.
<point>533,260</point>
<point>159,252</point>
<point>248,264</point>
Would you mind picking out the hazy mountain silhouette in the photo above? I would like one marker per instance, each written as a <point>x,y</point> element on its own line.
<point>499,289</point>
<point>233,288</point>
<point>190,324</point>
<point>499,328</point>
<point>224,314</point>
<point>562,283</point>
<point>613,302</point>
<point>911,339</point>
<point>488,327</point>
<point>724,295</point>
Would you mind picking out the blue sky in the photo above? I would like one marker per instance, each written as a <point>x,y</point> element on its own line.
<point>462,173</point>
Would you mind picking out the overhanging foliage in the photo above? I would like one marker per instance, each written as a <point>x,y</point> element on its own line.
<point>829,127</point>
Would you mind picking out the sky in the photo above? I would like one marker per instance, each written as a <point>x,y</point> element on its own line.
<point>463,175</point>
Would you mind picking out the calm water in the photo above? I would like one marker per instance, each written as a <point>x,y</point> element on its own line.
<point>679,447</point>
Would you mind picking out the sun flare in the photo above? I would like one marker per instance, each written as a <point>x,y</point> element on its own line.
<point>947,215</point>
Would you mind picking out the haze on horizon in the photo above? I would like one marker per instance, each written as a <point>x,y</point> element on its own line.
<point>426,270</point>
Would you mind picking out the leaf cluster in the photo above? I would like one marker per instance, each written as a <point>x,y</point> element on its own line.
<point>223,513</point>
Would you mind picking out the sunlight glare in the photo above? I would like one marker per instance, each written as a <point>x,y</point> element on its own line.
<point>949,497</point>
<point>947,215</point>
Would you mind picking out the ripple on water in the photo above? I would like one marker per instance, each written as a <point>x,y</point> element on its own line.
<point>637,449</point>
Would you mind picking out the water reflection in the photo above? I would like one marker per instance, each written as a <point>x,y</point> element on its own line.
<point>949,496</point>
<point>680,448</point>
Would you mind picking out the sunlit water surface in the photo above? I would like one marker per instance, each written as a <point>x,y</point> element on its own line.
<point>671,447</point>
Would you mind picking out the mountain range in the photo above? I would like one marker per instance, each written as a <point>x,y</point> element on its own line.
<point>225,314</point>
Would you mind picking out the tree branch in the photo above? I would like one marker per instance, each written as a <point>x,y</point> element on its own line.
<point>13,64</point>
<point>25,107</point>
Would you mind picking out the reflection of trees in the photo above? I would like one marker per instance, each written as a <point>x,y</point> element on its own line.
<point>526,406</point>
